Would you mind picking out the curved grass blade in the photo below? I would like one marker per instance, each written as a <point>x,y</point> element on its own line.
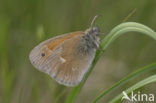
<point>125,80</point>
<point>140,84</point>
<point>113,35</point>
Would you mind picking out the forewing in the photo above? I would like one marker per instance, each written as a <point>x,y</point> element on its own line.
<point>46,56</point>
<point>59,57</point>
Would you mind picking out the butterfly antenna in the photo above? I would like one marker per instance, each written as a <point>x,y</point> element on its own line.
<point>93,21</point>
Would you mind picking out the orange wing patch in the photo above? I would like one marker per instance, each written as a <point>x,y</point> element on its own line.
<point>53,44</point>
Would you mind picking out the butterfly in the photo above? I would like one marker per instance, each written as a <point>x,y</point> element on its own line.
<point>66,58</point>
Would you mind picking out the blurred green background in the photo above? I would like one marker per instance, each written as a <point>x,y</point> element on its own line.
<point>25,23</point>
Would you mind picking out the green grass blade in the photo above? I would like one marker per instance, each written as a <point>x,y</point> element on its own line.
<point>124,28</point>
<point>113,35</point>
<point>140,84</point>
<point>7,75</point>
<point>125,80</point>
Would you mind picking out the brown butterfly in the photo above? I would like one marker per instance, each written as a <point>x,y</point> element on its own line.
<point>67,57</point>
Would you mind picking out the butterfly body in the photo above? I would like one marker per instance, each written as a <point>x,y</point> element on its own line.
<point>67,58</point>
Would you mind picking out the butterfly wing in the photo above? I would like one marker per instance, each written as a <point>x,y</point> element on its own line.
<point>49,49</point>
<point>61,59</point>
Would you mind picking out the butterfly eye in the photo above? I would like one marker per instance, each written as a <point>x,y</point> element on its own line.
<point>43,54</point>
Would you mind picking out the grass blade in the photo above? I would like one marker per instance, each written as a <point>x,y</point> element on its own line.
<point>113,35</point>
<point>125,80</point>
<point>140,84</point>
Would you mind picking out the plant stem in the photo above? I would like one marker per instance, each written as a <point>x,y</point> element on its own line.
<point>125,80</point>
<point>113,35</point>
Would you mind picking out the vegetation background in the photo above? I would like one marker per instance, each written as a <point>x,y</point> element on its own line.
<point>25,23</point>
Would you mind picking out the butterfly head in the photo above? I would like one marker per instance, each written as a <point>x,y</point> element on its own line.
<point>93,31</point>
